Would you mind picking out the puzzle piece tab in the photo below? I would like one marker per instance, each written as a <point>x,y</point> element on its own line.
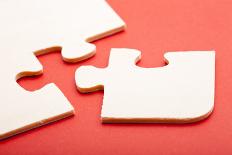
<point>181,92</point>
<point>30,28</point>
<point>34,25</point>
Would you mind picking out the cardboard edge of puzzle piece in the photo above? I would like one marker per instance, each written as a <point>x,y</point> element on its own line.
<point>83,49</point>
<point>86,49</point>
<point>63,112</point>
<point>89,79</point>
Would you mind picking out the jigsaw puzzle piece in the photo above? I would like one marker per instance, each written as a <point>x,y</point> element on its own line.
<point>180,92</point>
<point>72,25</point>
<point>39,27</point>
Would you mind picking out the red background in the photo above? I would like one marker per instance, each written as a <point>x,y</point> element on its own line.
<point>154,27</point>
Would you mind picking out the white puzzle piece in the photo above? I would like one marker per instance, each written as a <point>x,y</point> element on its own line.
<point>30,28</point>
<point>181,92</point>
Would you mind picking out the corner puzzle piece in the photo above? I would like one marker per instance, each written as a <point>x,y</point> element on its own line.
<point>181,92</point>
<point>44,26</point>
<point>33,25</point>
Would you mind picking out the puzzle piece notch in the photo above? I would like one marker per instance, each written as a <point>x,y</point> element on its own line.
<point>181,92</point>
<point>24,109</point>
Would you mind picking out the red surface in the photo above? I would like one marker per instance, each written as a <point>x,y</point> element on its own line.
<point>154,26</point>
